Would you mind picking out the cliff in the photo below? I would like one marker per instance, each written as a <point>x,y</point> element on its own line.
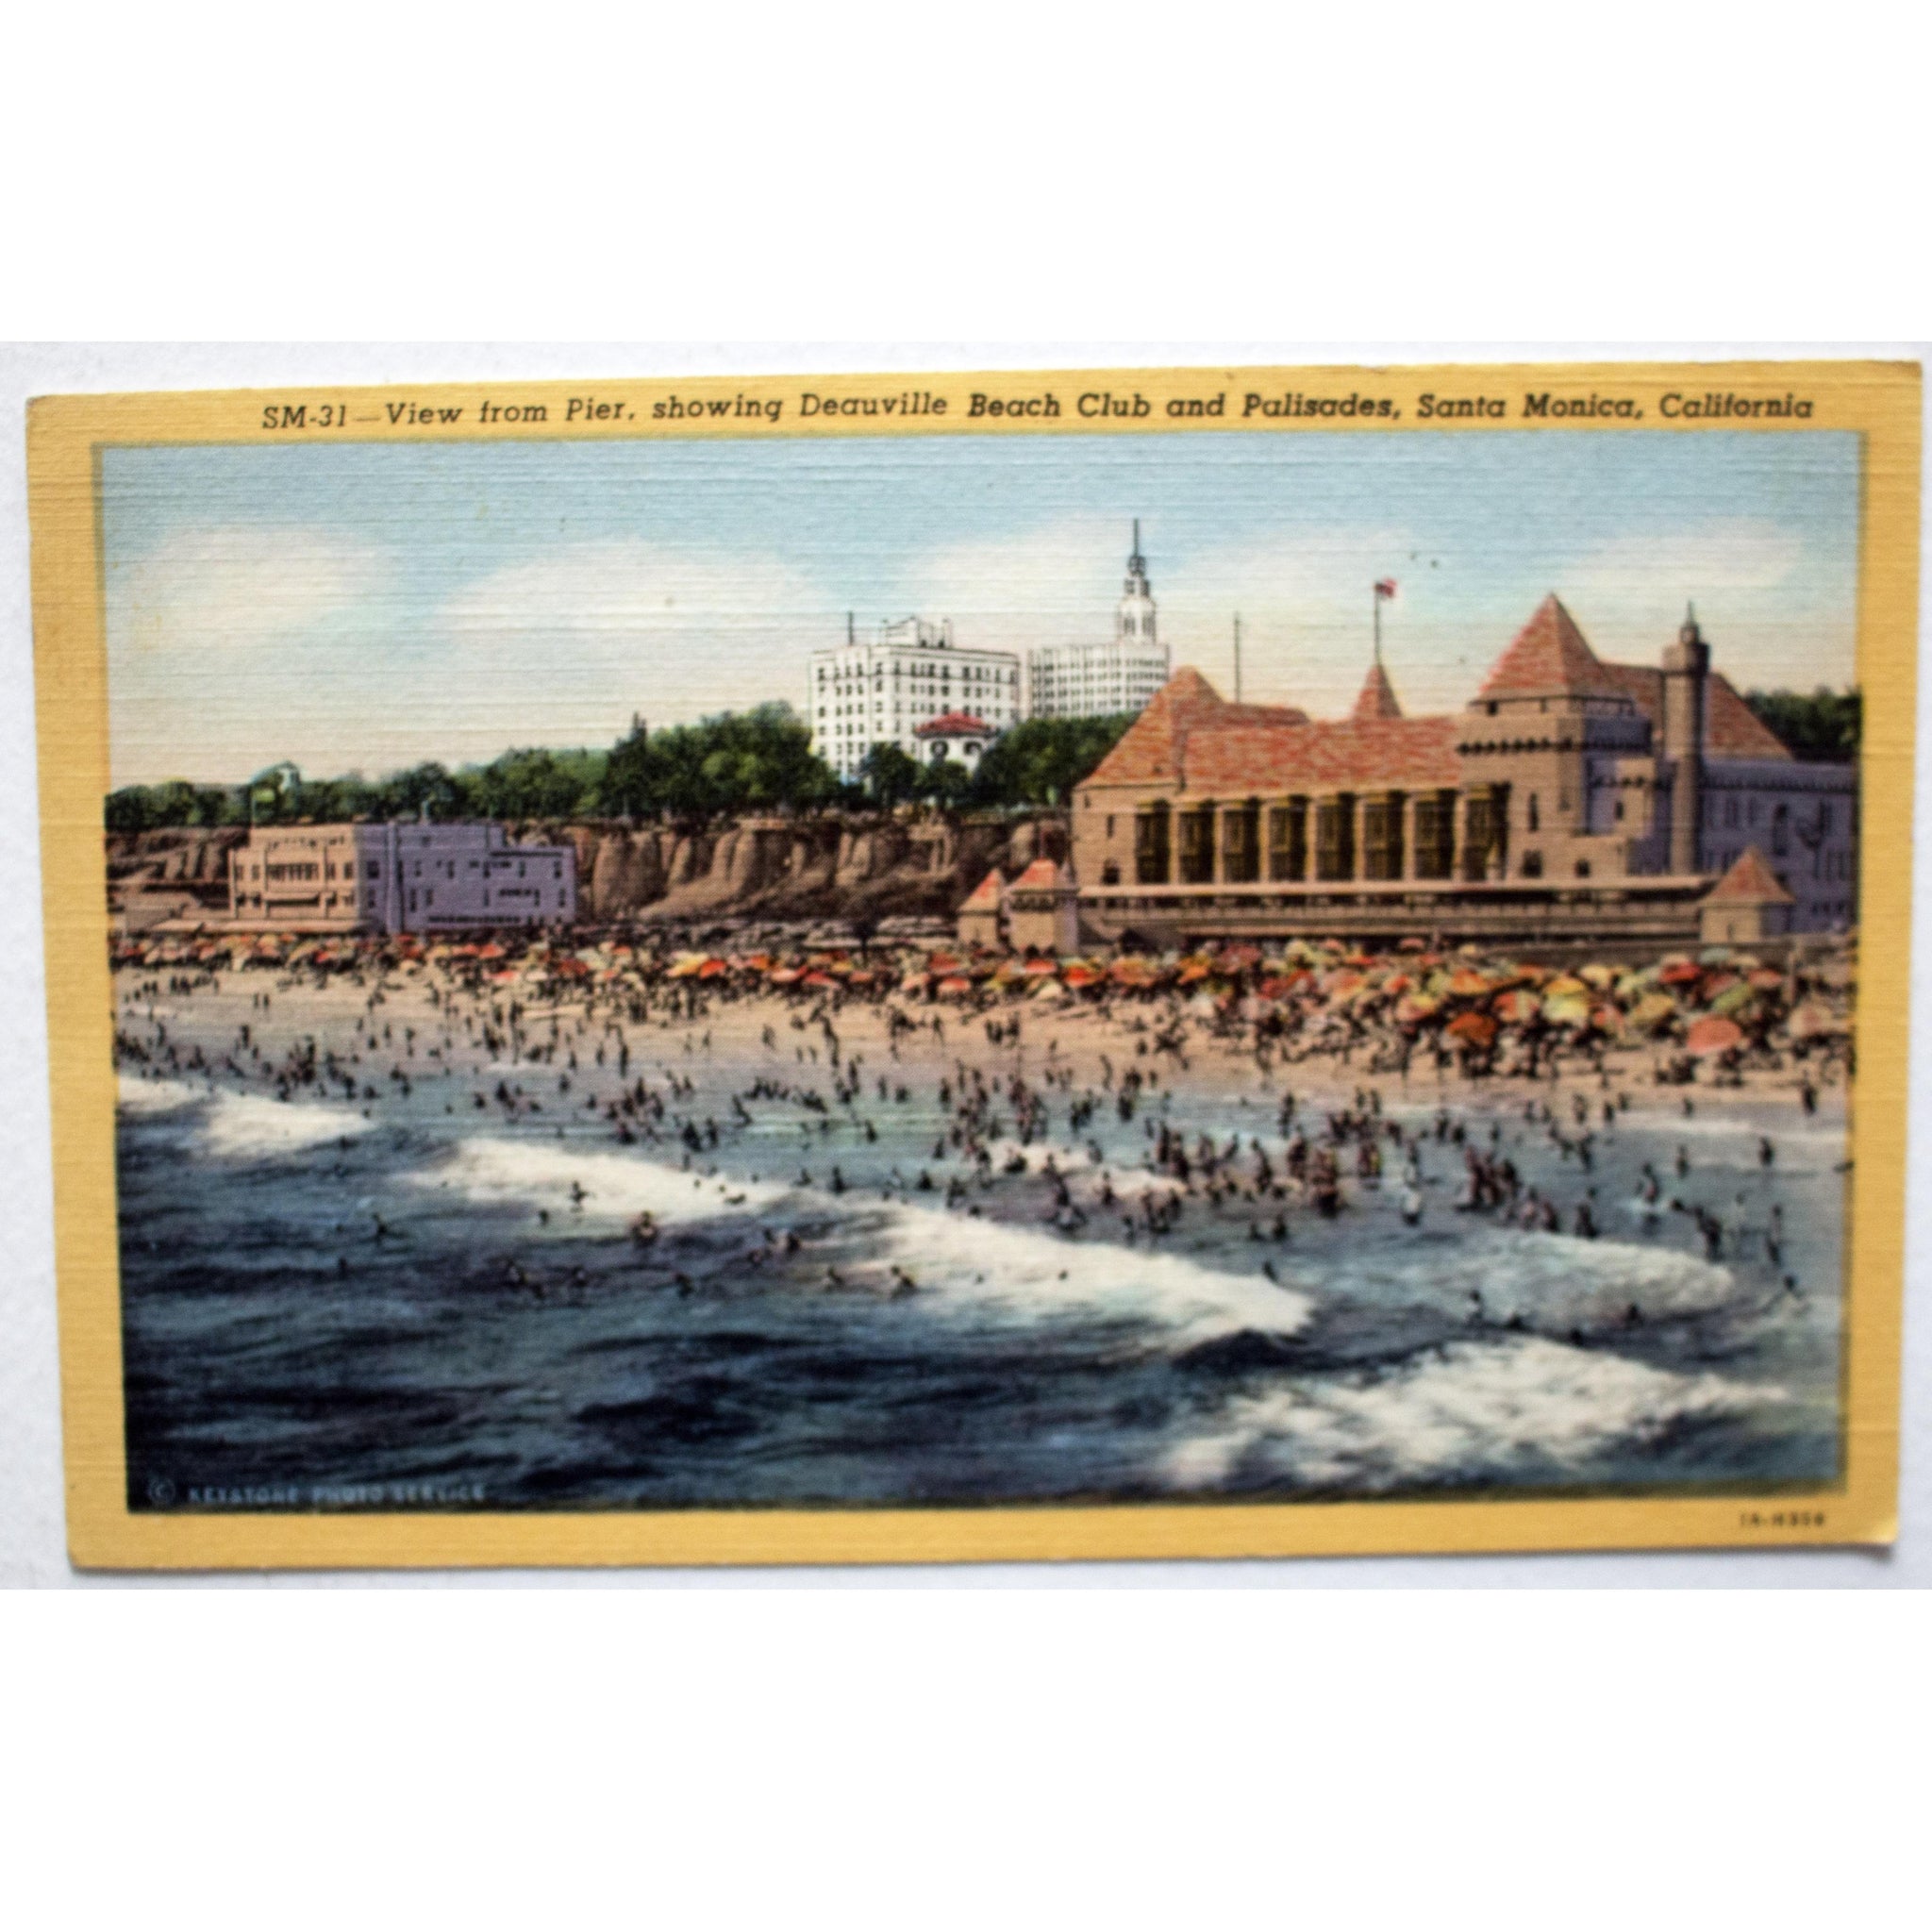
<point>836,866</point>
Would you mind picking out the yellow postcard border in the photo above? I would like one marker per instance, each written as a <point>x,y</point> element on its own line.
<point>1880,401</point>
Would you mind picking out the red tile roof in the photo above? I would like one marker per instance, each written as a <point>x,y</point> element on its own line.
<point>1549,657</point>
<point>1353,752</point>
<point>986,895</point>
<point>954,724</point>
<point>1731,729</point>
<point>1377,697</point>
<point>1042,875</point>
<point>1154,746</point>
<point>1750,881</point>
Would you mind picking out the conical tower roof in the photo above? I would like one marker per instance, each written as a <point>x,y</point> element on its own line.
<point>1549,657</point>
<point>1377,698</point>
<point>1751,882</point>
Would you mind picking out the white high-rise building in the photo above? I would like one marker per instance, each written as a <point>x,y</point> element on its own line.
<point>881,689</point>
<point>1091,680</point>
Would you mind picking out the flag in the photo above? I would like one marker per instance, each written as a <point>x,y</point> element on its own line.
<point>1384,587</point>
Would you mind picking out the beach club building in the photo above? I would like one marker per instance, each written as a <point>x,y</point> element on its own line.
<point>397,877</point>
<point>1569,799</point>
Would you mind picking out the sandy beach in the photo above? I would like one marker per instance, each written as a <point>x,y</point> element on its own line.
<point>842,1224</point>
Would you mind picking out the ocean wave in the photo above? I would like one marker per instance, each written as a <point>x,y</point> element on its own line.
<point>1022,1271</point>
<point>1468,1409</point>
<point>241,1127</point>
<point>135,1095</point>
<point>616,1186</point>
<point>1549,1280</point>
<point>245,1126</point>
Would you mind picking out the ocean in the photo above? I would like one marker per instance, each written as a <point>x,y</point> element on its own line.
<point>433,1299</point>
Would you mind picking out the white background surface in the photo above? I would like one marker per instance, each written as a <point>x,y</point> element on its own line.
<point>31,1532</point>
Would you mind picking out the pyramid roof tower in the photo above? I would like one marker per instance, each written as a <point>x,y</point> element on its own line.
<point>1751,882</point>
<point>987,896</point>
<point>1377,697</point>
<point>1549,657</point>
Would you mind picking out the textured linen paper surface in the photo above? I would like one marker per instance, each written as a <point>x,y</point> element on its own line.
<point>1187,962</point>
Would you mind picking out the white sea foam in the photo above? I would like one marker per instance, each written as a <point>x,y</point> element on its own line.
<point>617,1187</point>
<point>238,1126</point>
<point>138,1097</point>
<point>241,1127</point>
<point>1022,1271</point>
<point>1555,1280</point>
<point>1470,1408</point>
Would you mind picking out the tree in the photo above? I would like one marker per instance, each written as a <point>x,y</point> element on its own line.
<point>756,760</point>
<point>530,784</point>
<point>890,777</point>
<point>1041,761</point>
<point>422,789</point>
<point>945,782</point>
<point>1824,725</point>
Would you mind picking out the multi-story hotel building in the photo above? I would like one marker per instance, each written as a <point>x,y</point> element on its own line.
<point>413,877</point>
<point>1571,797</point>
<point>881,689</point>
<point>1097,679</point>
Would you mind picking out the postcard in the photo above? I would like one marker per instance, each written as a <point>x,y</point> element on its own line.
<point>1123,964</point>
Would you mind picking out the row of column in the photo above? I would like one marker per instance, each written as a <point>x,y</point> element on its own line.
<point>1336,836</point>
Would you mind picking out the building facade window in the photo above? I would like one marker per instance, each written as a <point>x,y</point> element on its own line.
<point>1288,841</point>
<point>1241,835</point>
<point>1382,836</point>
<point>1197,846</point>
<point>1434,835</point>
<point>1335,837</point>
<point>1151,845</point>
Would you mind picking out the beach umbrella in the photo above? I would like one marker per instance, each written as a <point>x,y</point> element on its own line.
<point>1474,1029</point>
<point>1767,980</point>
<point>1049,990</point>
<point>1680,972</point>
<point>1606,1019</point>
<point>823,981</point>
<point>711,968</point>
<point>1038,969</point>
<point>1713,1036</point>
<point>1601,978</point>
<point>1733,999</point>
<point>1413,1008</point>
<point>1466,985</point>
<point>1566,1008</point>
<point>955,988</point>
<point>1565,985</point>
<point>913,982</point>
<point>1517,1007</point>
<point>1810,1021</point>
<point>1714,955</point>
<point>1652,1011</point>
<point>1080,977</point>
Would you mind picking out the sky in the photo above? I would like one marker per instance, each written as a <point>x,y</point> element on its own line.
<point>359,608</point>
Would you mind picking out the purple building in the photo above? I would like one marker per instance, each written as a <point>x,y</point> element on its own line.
<point>406,877</point>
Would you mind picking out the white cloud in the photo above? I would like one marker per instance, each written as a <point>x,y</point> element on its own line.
<point>236,590</point>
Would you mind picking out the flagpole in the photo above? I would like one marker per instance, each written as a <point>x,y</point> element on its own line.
<point>1237,656</point>
<point>1375,599</point>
